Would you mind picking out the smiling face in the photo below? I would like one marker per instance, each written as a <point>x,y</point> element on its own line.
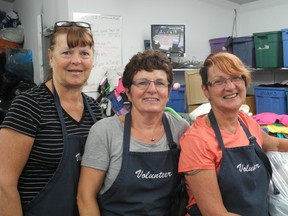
<point>71,66</point>
<point>154,98</point>
<point>226,97</point>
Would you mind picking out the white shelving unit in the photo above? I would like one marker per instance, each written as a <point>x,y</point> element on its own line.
<point>267,76</point>
<point>179,74</point>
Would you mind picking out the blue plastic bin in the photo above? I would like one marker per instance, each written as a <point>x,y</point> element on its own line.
<point>271,99</point>
<point>244,48</point>
<point>177,100</point>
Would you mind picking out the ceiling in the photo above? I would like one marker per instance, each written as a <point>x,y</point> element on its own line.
<point>240,2</point>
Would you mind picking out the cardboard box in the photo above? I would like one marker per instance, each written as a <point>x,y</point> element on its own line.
<point>193,107</point>
<point>193,84</point>
<point>250,101</point>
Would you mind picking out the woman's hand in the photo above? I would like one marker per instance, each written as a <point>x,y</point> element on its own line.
<point>271,143</point>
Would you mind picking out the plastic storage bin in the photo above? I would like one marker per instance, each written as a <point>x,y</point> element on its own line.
<point>177,100</point>
<point>244,48</point>
<point>285,47</point>
<point>268,49</point>
<point>271,99</point>
<point>217,44</point>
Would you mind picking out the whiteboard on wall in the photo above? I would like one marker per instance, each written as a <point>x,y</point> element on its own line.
<point>107,34</point>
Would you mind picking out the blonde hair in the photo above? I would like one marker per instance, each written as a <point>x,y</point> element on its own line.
<point>227,63</point>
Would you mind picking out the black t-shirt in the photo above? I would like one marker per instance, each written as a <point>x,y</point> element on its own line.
<point>34,113</point>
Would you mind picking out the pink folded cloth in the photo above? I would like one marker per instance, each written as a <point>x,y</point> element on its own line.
<point>270,118</point>
<point>119,89</point>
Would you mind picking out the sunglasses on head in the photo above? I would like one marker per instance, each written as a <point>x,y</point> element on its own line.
<point>62,24</point>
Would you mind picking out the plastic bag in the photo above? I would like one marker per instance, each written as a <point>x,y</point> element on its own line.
<point>15,35</point>
<point>278,204</point>
<point>20,64</point>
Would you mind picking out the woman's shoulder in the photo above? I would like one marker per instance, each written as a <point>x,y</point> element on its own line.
<point>95,106</point>
<point>108,123</point>
<point>39,94</point>
<point>176,119</point>
<point>177,124</point>
<point>199,128</point>
<point>89,98</point>
<point>248,120</point>
<point>38,91</point>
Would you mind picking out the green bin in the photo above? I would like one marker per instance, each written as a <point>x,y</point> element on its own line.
<point>268,49</point>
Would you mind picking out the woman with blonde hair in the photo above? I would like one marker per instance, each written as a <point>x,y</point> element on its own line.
<point>222,154</point>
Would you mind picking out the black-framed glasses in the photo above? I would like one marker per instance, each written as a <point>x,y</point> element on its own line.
<point>61,24</point>
<point>143,84</point>
<point>222,82</point>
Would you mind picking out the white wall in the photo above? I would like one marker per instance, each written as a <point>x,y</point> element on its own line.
<point>204,19</point>
<point>6,6</point>
<point>137,18</point>
<point>29,23</point>
<point>263,17</point>
<point>29,10</point>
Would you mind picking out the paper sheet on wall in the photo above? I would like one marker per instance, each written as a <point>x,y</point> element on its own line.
<point>106,30</point>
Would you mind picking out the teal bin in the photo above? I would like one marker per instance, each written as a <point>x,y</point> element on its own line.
<point>285,47</point>
<point>268,49</point>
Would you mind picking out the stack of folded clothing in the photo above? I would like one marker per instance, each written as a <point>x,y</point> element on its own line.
<point>274,124</point>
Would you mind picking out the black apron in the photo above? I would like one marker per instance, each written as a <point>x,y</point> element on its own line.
<point>146,181</point>
<point>243,178</point>
<point>58,197</point>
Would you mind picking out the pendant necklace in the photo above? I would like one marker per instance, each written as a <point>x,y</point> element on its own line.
<point>152,139</point>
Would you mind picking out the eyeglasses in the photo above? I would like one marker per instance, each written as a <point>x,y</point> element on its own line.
<point>221,83</point>
<point>144,83</point>
<point>61,24</point>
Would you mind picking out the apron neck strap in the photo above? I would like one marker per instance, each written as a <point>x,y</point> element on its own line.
<point>127,132</point>
<point>60,112</point>
<point>216,129</point>
<point>167,128</point>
